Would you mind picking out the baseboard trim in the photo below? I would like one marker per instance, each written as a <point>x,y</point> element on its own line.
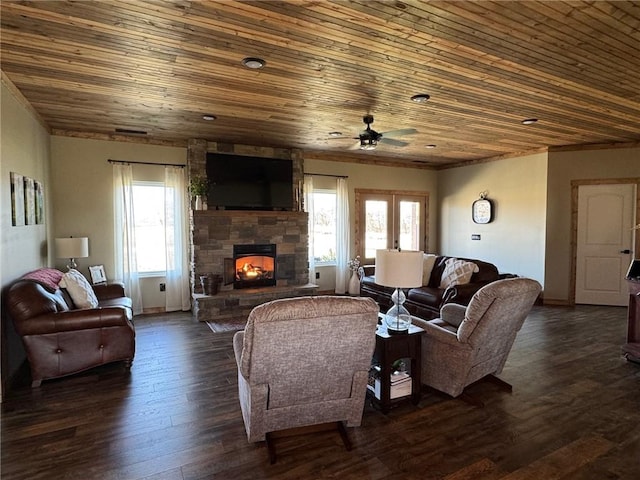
<point>153,310</point>
<point>556,302</point>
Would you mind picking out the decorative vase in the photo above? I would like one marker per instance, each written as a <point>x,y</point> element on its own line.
<point>198,203</point>
<point>354,284</point>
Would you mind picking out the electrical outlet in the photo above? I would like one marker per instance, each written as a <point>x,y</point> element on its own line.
<point>317,275</point>
<point>163,287</point>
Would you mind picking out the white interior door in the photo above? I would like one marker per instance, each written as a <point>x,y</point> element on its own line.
<point>604,243</point>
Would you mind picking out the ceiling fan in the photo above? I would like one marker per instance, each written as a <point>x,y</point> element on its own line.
<point>368,139</point>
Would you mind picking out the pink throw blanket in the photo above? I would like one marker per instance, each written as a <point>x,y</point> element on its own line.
<point>47,277</point>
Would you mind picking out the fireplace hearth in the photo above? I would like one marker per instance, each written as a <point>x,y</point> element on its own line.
<point>254,265</point>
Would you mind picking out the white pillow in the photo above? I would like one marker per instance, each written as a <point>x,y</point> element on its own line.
<point>429,260</point>
<point>79,289</point>
<point>457,272</point>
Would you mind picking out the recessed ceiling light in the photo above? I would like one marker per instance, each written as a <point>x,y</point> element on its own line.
<point>420,98</point>
<point>208,118</point>
<point>529,121</point>
<point>431,145</point>
<point>335,134</point>
<point>253,63</point>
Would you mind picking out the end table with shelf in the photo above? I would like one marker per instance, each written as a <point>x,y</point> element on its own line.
<point>390,348</point>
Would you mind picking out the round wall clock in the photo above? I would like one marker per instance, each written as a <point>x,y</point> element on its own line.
<point>482,210</point>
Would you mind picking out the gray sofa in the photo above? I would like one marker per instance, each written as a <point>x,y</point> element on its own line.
<point>425,301</point>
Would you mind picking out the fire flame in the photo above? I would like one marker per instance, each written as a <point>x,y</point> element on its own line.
<point>250,271</point>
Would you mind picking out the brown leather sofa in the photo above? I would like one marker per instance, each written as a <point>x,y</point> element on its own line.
<point>61,339</point>
<point>425,301</point>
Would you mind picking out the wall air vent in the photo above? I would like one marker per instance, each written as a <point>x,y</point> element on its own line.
<point>126,131</point>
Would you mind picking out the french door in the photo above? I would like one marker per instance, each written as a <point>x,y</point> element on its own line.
<point>389,219</point>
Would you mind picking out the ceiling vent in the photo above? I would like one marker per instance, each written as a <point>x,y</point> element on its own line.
<point>126,131</point>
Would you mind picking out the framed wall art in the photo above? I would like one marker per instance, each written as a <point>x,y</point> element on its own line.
<point>17,199</point>
<point>29,201</point>
<point>39,198</point>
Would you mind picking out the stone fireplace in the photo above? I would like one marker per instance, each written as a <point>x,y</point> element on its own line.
<point>214,233</point>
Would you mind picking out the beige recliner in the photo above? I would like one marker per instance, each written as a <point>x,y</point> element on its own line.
<point>469,343</point>
<point>304,361</point>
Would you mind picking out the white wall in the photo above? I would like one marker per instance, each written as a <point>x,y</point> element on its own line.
<point>375,177</point>
<point>24,149</point>
<point>82,193</point>
<point>515,240</point>
<point>563,168</point>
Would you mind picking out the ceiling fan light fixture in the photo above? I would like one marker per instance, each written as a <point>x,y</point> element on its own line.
<point>369,143</point>
<point>529,121</point>
<point>253,63</point>
<point>420,98</point>
<point>209,118</point>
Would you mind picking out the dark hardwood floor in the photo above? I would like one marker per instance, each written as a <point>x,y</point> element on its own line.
<point>573,414</point>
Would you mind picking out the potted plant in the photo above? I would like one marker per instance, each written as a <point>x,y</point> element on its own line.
<point>198,187</point>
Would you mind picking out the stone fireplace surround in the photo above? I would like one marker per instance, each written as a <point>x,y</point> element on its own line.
<point>214,232</point>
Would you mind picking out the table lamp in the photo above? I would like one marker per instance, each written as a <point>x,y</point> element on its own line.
<point>72,248</point>
<point>398,269</point>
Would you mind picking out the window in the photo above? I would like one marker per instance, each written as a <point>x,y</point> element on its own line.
<point>149,208</point>
<point>324,226</point>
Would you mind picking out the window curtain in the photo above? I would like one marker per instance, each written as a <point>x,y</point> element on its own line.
<point>342,235</point>
<point>126,263</point>
<point>177,296</point>
<point>308,207</point>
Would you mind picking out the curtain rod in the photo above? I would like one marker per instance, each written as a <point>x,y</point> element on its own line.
<point>326,175</point>
<point>147,163</point>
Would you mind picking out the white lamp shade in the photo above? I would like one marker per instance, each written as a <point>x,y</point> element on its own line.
<point>399,269</point>
<point>72,247</point>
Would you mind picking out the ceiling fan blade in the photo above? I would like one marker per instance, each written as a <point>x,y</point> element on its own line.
<point>394,142</point>
<point>401,132</point>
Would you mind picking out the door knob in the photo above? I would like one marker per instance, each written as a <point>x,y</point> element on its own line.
<point>625,251</point>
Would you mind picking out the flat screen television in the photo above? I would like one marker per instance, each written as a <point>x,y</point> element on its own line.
<point>238,182</point>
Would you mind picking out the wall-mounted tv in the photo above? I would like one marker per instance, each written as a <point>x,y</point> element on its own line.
<point>238,182</point>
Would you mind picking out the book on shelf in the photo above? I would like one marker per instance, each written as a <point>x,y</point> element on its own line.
<point>400,377</point>
<point>400,385</point>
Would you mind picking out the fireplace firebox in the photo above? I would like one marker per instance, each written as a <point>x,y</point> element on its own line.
<point>254,265</point>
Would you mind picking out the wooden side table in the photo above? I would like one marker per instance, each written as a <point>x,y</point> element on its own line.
<point>390,348</point>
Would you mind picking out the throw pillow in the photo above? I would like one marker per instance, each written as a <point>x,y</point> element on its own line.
<point>457,272</point>
<point>79,289</point>
<point>429,260</point>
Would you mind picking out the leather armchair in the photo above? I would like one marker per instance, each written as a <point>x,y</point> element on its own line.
<point>304,361</point>
<point>469,343</point>
<point>60,340</point>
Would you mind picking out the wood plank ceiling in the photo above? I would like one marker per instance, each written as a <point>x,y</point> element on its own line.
<point>90,68</point>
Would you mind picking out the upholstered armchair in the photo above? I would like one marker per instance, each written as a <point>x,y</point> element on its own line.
<point>304,361</point>
<point>469,343</point>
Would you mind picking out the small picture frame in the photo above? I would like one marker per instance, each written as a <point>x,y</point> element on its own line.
<point>98,276</point>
